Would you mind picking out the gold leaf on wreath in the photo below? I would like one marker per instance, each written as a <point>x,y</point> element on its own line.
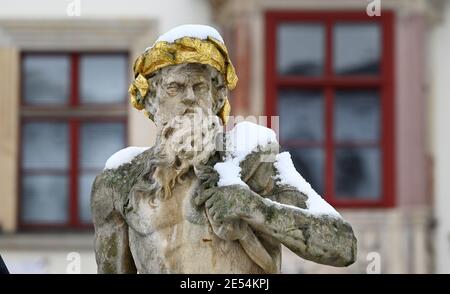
<point>184,50</point>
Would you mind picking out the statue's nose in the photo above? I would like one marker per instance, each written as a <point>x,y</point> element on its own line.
<point>189,97</point>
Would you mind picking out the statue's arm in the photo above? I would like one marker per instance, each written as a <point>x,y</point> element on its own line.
<point>322,239</point>
<point>282,214</point>
<point>319,238</point>
<point>279,211</point>
<point>112,251</point>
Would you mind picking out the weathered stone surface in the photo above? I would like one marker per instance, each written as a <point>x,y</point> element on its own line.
<point>164,213</point>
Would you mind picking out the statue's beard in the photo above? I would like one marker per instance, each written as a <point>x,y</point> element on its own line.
<point>190,139</point>
<point>184,142</point>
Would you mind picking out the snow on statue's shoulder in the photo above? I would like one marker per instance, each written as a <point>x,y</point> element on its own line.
<point>244,138</point>
<point>287,174</point>
<point>247,137</point>
<point>123,156</point>
<point>189,30</point>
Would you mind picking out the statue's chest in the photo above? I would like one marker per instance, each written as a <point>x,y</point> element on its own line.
<point>178,238</point>
<point>148,214</point>
<point>180,207</point>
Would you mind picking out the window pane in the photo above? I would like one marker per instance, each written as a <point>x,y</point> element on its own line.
<point>46,79</point>
<point>85,182</point>
<point>45,145</point>
<point>309,162</point>
<point>99,141</point>
<point>103,79</point>
<point>301,115</point>
<point>45,199</point>
<point>300,49</point>
<point>357,48</point>
<point>357,116</point>
<point>357,173</point>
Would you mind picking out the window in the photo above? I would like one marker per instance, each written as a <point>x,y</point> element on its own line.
<point>329,77</point>
<point>73,117</point>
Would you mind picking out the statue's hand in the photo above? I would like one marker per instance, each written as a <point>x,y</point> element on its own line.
<point>226,203</point>
<point>223,214</point>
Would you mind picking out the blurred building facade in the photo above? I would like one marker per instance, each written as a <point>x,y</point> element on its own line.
<point>361,103</point>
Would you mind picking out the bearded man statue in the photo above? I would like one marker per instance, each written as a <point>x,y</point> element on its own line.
<point>193,204</point>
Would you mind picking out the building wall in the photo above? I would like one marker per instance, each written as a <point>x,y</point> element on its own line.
<point>390,241</point>
<point>439,73</point>
<point>48,253</point>
<point>169,13</point>
<point>8,136</point>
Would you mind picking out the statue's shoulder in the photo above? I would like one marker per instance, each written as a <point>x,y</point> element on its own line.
<point>111,188</point>
<point>255,146</point>
<point>260,159</point>
<point>126,157</point>
<point>122,170</point>
<point>250,151</point>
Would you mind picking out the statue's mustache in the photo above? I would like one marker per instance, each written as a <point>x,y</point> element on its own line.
<point>189,110</point>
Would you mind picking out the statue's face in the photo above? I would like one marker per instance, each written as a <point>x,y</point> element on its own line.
<point>183,89</point>
<point>183,112</point>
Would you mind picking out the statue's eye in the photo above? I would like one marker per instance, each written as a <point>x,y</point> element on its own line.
<point>173,88</point>
<point>200,87</point>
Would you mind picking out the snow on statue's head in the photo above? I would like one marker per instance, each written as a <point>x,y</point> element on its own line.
<point>181,82</point>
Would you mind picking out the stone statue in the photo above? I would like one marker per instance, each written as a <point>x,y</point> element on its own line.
<point>169,210</point>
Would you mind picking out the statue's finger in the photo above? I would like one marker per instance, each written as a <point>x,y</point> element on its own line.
<point>204,195</point>
<point>210,202</point>
<point>209,184</point>
<point>212,210</point>
<point>215,217</point>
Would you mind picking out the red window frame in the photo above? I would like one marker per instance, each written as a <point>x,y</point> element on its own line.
<point>74,113</point>
<point>329,83</point>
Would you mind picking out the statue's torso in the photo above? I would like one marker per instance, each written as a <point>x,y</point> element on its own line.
<point>181,239</point>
